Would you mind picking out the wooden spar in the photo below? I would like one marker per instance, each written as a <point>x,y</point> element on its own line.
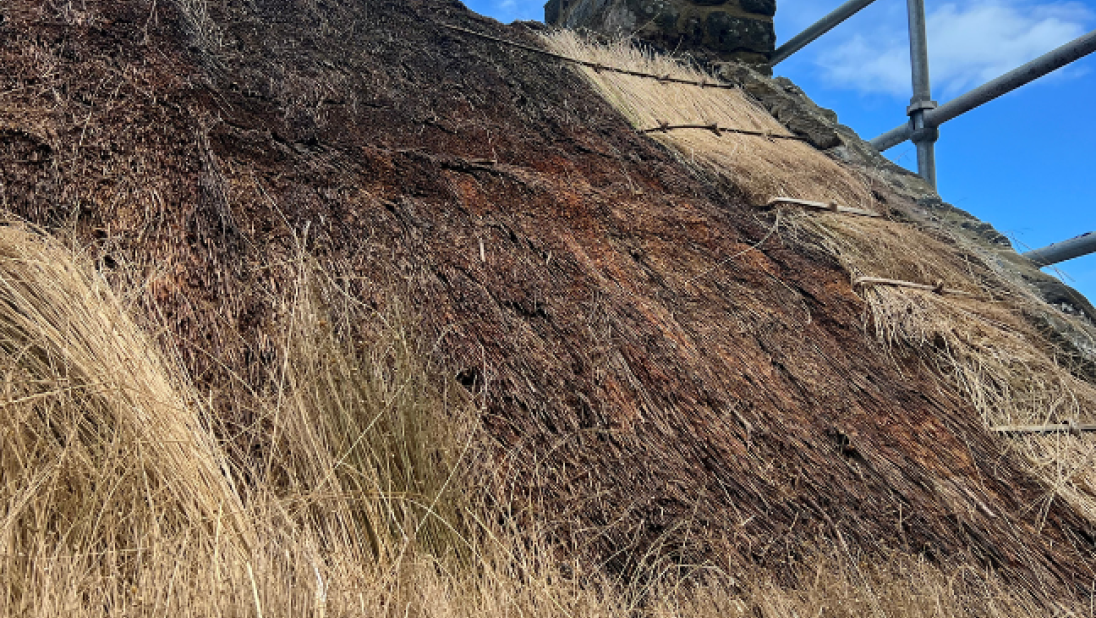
<point>1073,428</point>
<point>938,288</point>
<point>832,206</point>
<point>664,127</point>
<point>666,79</point>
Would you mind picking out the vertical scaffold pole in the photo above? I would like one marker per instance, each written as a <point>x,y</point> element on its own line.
<point>922,135</point>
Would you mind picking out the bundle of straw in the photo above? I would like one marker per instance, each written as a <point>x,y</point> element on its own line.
<point>761,167</point>
<point>101,449</point>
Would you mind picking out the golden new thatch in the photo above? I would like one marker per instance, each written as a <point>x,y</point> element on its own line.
<point>762,168</point>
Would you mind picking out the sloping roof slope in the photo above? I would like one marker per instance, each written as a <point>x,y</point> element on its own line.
<point>662,373</point>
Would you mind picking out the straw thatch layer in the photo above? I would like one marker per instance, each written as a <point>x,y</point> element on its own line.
<point>979,336</point>
<point>761,167</point>
<point>985,343</point>
<point>664,378</point>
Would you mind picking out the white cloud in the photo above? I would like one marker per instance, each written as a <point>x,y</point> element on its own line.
<point>864,65</point>
<point>969,44</point>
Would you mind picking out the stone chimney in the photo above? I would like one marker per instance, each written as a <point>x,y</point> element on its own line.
<point>712,31</point>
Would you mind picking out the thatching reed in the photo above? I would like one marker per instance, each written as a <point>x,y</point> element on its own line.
<point>983,344</point>
<point>762,168</point>
<point>90,410</point>
<point>118,500</point>
<point>115,482</point>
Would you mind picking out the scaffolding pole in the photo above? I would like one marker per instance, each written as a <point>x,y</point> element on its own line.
<point>1047,63</point>
<point>923,135</point>
<point>822,26</point>
<point>1062,251</point>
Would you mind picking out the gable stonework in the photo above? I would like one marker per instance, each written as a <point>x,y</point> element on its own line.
<point>710,30</point>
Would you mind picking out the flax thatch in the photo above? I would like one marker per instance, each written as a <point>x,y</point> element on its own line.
<point>984,343</point>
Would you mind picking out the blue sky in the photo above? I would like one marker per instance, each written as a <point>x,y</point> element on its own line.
<point>1023,162</point>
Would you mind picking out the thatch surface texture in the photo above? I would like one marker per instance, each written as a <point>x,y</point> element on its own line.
<point>762,168</point>
<point>664,373</point>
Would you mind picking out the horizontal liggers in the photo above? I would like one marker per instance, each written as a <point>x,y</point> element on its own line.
<point>926,293</point>
<point>748,145</point>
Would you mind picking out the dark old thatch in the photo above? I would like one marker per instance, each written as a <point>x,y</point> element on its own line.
<point>663,375</point>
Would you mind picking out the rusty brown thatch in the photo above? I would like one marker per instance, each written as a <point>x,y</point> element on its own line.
<point>663,378</point>
<point>980,337</point>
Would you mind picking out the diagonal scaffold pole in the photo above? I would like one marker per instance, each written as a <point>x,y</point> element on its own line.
<point>1047,63</point>
<point>1062,251</point>
<point>822,26</point>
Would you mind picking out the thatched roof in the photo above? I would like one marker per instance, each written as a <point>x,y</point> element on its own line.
<point>661,373</point>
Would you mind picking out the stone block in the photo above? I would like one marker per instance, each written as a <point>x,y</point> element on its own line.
<point>759,7</point>
<point>552,11</point>
<point>728,33</point>
<point>710,30</point>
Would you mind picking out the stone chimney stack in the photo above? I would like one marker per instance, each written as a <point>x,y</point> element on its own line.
<point>711,30</point>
